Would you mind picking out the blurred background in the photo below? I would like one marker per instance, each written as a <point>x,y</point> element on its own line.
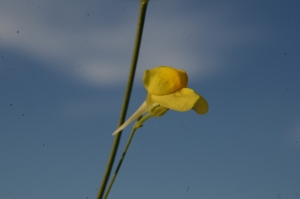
<point>63,71</point>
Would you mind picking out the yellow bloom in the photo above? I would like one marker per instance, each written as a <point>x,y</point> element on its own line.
<point>167,87</point>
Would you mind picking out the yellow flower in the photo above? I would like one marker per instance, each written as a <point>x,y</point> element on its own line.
<point>167,86</point>
<point>167,89</point>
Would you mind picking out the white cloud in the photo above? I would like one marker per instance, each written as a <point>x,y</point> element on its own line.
<point>60,33</point>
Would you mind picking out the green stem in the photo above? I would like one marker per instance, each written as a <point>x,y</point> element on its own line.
<point>137,125</point>
<point>140,25</point>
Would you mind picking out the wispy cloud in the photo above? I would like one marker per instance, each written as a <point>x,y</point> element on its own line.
<point>97,49</point>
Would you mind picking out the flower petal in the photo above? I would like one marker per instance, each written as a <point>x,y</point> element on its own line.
<point>164,80</point>
<point>182,100</point>
<point>201,106</point>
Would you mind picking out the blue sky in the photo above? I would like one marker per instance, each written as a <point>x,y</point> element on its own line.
<point>63,70</point>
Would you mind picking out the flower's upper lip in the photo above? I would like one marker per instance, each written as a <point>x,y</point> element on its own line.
<point>164,80</point>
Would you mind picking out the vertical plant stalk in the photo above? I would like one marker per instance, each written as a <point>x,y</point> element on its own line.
<point>139,32</point>
<point>120,163</point>
<point>138,124</point>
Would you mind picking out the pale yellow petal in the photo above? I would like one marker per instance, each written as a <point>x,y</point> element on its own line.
<point>140,111</point>
<point>182,100</point>
<point>164,80</point>
<point>201,106</point>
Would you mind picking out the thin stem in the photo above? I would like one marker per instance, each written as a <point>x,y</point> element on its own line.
<point>119,165</point>
<point>137,125</point>
<point>140,26</point>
